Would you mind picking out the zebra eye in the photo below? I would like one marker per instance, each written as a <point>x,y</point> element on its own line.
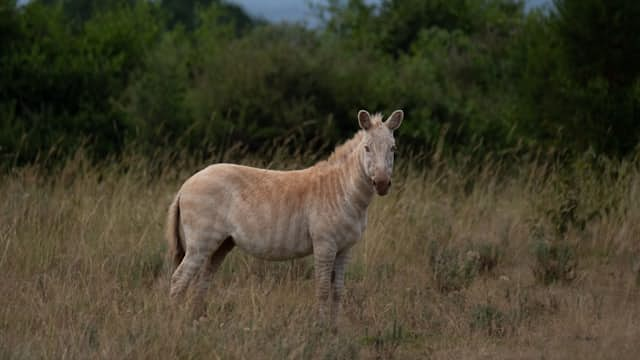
<point>366,148</point>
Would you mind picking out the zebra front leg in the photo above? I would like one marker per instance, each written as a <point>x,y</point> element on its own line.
<point>323,267</point>
<point>339,269</point>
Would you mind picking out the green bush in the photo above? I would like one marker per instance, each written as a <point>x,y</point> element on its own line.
<point>475,78</point>
<point>579,81</point>
<point>59,83</point>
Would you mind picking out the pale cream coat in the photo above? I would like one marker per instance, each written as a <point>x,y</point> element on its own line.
<point>280,215</point>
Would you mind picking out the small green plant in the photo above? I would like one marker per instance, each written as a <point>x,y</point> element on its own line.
<point>554,262</point>
<point>565,214</point>
<point>451,270</point>
<point>489,319</point>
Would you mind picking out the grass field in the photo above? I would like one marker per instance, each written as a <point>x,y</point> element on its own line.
<point>460,261</point>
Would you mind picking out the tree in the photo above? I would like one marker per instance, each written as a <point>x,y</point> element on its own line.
<point>581,75</point>
<point>185,12</point>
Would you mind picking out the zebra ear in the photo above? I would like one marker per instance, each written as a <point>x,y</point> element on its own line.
<point>395,119</point>
<point>364,119</point>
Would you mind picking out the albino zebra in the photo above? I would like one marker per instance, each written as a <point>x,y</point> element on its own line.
<point>280,215</point>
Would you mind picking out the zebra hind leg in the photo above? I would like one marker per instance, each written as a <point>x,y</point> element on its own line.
<point>198,252</point>
<point>206,275</point>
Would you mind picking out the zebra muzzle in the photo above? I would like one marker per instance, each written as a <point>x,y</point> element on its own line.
<point>381,185</point>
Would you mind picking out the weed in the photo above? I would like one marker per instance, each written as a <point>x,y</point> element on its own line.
<point>527,305</point>
<point>451,270</point>
<point>341,349</point>
<point>489,319</point>
<point>489,255</point>
<point>385,343</point>
<point>554,262</point>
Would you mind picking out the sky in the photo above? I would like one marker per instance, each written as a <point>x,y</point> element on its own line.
<point>298,10</point>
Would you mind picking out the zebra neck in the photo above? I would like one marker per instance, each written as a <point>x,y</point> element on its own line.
<point>358,186</point>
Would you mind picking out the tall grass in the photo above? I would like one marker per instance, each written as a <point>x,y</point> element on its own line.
<point>83,272</point>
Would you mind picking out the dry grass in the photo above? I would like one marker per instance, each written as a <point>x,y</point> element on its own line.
<point>82,263</point>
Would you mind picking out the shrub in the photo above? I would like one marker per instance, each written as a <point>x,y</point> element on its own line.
<point>454,270</point>
<point>60,82</point>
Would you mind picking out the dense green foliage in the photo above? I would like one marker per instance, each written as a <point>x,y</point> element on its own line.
<point>476,76</point>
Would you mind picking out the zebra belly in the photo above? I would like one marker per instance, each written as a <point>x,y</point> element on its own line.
<point>280,249</point>
<point>283,239</point>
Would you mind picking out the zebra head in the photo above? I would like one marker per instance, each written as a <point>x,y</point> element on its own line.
<point>378,146</point>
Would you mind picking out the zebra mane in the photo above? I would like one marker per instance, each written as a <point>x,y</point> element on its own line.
<point>343,151</point>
